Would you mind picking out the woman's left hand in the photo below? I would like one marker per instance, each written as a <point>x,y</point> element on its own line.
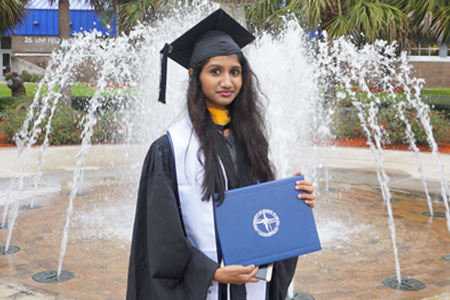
<point>303,185</point>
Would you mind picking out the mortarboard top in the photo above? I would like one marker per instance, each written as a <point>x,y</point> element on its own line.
<point>217,34</point>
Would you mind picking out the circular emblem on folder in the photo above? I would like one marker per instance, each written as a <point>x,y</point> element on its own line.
<point>266,222</point>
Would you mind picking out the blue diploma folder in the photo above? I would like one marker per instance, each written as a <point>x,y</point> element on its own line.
<point>264,223</point>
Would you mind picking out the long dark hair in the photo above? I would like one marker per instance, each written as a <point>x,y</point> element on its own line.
<point>247,126</point>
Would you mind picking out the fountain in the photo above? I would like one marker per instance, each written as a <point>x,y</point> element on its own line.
<point>298,112</point>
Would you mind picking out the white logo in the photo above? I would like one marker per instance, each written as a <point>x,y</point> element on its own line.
<point>266,222</point>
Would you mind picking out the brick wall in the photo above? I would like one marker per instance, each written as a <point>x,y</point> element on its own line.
<point>436,74</point>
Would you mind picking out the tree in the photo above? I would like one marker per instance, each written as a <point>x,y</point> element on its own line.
<point>268,15</point>
<point>364,20</point>
<point>134,11</point>
<point>11,13</point>
<point>64,33</point>
<point>441,26</point>
<point>427,18</point>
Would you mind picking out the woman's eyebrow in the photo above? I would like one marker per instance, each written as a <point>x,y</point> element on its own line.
<point>214,65</point>
<point>221,66</point>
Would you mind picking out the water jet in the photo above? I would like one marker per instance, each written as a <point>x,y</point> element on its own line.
<point>301,62</point>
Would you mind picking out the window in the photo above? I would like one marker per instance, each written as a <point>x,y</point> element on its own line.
<point>6,42</point>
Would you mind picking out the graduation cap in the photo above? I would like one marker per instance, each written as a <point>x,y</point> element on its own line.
<point>217,34</point>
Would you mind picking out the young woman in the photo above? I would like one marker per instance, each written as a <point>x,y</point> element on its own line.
<point>220,145</point>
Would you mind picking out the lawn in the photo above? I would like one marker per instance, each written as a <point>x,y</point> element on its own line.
<point>78,89</point>
<point>6,92</point>
<point>436,91</point>
<point>435,96</point>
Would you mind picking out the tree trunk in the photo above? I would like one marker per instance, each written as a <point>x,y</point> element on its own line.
<point>64,33</point>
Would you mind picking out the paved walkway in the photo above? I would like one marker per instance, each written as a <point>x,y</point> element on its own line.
<point>62,158</point>
<point>352,165</point>
<point>10,291</point>
<point>357,165</point>
<point>348,165</point>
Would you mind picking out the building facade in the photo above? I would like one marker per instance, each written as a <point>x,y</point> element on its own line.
<point>29,45</point>
<point>431,61</point>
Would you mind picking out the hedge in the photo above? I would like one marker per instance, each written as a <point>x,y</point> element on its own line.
<point>65,127</point>
<point>346,125</point>
<point>14,102</point>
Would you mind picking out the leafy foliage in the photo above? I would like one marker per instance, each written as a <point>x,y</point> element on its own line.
<point>427,18</point>
<point>11,13</point>
<point>13,102</point>
<point>362,20</point>
<point>347,125</point>
<point>135,11</point>
<point>30,77</point>
<point>66,127</point>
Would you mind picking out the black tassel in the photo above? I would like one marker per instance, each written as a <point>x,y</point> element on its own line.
<point>163,75</point>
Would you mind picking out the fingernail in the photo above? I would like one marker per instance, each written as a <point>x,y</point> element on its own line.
<point>299,196</point>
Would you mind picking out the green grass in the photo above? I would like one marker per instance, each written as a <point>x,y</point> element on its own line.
<point>78,89</point>
<point>29,86</point>
<point>81,89</point>
<point>436,91</point>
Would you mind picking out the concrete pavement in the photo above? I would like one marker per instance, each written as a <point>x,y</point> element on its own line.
<point>347,165</point>
<point>62,158</point>
<point>9,291</point>
<point>357,165</point>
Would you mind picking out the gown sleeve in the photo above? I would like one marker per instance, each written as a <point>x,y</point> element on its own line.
<point>163,263</point>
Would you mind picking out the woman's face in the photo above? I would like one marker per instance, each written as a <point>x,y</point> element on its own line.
<point>221,80</point>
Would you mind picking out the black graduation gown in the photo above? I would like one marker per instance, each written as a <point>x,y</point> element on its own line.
<point>163,263</point>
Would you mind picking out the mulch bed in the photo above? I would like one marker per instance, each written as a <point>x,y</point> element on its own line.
<point>361,142</point>
<point>355,142</point>
<point>2,141</point>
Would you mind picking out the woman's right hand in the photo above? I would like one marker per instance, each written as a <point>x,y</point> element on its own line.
<point>236,274</point>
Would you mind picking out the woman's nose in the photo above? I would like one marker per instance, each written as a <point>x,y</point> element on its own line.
<point>226,81</point>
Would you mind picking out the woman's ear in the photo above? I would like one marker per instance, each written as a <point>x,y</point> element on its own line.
<point>191,71</point>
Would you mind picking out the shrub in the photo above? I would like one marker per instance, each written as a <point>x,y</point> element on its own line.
<point>30,77</point>
<point>65,128</point>
<point>11,123</point>
<point>81,103</point>
<point>441,103</point>
<point>8,76</point>
<point>14,102</point>
<point>26,76</point>
<point>107,103</point>
<point>107,129</point>
<point>347,125</point>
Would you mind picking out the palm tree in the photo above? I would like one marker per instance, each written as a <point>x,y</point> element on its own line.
<point>427,18</point>
<point>134,11</point>
<point>364,20</point>
<point>63,18</point>
<point>267,15</point>
<point>441,26</point>
<point>367,21</point>
<point>11,13</point>
<point>64,33</point>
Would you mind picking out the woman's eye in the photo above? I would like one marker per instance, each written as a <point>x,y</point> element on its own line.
<point>235,72</point>
<point>215,71</point>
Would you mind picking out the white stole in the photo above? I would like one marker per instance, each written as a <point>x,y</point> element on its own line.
<point>198,215</point>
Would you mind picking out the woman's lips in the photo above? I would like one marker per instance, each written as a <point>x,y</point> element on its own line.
<point>226,93</point>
